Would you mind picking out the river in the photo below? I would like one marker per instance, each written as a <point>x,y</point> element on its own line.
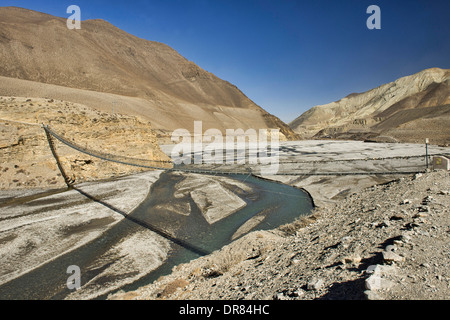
<point>268,205</point>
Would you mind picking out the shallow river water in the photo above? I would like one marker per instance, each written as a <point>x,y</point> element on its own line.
<point>190,236</point>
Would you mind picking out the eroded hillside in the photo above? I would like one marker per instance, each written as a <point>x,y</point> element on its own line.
<point>409,109</point>
<point>164,87</point>
<point>25,157</point>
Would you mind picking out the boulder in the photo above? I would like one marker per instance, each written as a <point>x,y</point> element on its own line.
<point>376,282</point>
<point>315,284</point>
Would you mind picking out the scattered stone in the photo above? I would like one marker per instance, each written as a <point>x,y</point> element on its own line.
<point>411,226</point>
<point>390,248</point>
<point>298,293</point>
<point>279,296</point>
<point>381,269</point>
<point>420,215</point>
<point>354,259</point>
<point>376,282</point>
<point>315,284</point>
<point>427,200</point>
<point>372,295</point>
<point>382,225</point>
<point>405,201</point>
<point>389,257</point>
<point>306,260</point>
<point>397,217</point>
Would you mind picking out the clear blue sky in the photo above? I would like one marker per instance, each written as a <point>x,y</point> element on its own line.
<point>287,56</point>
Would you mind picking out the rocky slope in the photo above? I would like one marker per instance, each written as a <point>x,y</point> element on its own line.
<point>388,241</point>
<point>409,109</point>
<point>102,58</point>
<point>25,157</point>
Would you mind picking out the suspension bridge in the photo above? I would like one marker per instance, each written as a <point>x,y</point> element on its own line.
<point>285,167</point>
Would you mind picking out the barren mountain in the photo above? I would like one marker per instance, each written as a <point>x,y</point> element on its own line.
<point>409,109</point>
<point>171,91</point>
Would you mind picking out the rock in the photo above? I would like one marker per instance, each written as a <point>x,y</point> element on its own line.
<point>383,224</point>
<point>420,215</point>
<point>372,295</point>
<point>371,268</point>
<point>390,248</point>
<point>411,226</point>
<point>397,216</point>
<point>381,269</point>
<point>315,284</point>
<point>376,282</point>
<point>427,200</point>
<point>390,257</point>
<point>405,238</point>
<point>353,259</point>
<point>405,201</point>
<point>280,296</point>
<point>298,293</point>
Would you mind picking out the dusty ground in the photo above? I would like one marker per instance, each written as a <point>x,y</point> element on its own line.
<point>388,241</point>
<point>25,157</point>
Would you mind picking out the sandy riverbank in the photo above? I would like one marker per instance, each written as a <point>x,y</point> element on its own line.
<point>70,219</point>
<point>356,219</point>
<point>37,231</point>
<point>384,242</point>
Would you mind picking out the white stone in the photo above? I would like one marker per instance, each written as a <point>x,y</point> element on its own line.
<point>372,295</point>
<point>315,284</point>
<point>376,282</point>
<point>390,248</point>
<point>390,256</point>
<point>381,269</point>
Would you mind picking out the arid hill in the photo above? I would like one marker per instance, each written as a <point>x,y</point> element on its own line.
<point>138,76</point>
<point>26,160</point>
<point>409,109</point>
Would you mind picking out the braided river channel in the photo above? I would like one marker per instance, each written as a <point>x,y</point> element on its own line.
<point>184,212</point>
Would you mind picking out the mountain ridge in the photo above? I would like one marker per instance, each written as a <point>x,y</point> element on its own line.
<point>101,57</point>
<point>364,115</point>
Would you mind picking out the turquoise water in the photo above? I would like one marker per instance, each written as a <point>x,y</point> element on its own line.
<point>278,203</point>
<point>190,236</point>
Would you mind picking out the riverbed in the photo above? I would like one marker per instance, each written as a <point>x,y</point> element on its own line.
<point>108,230</point>
<point>184,216</point>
